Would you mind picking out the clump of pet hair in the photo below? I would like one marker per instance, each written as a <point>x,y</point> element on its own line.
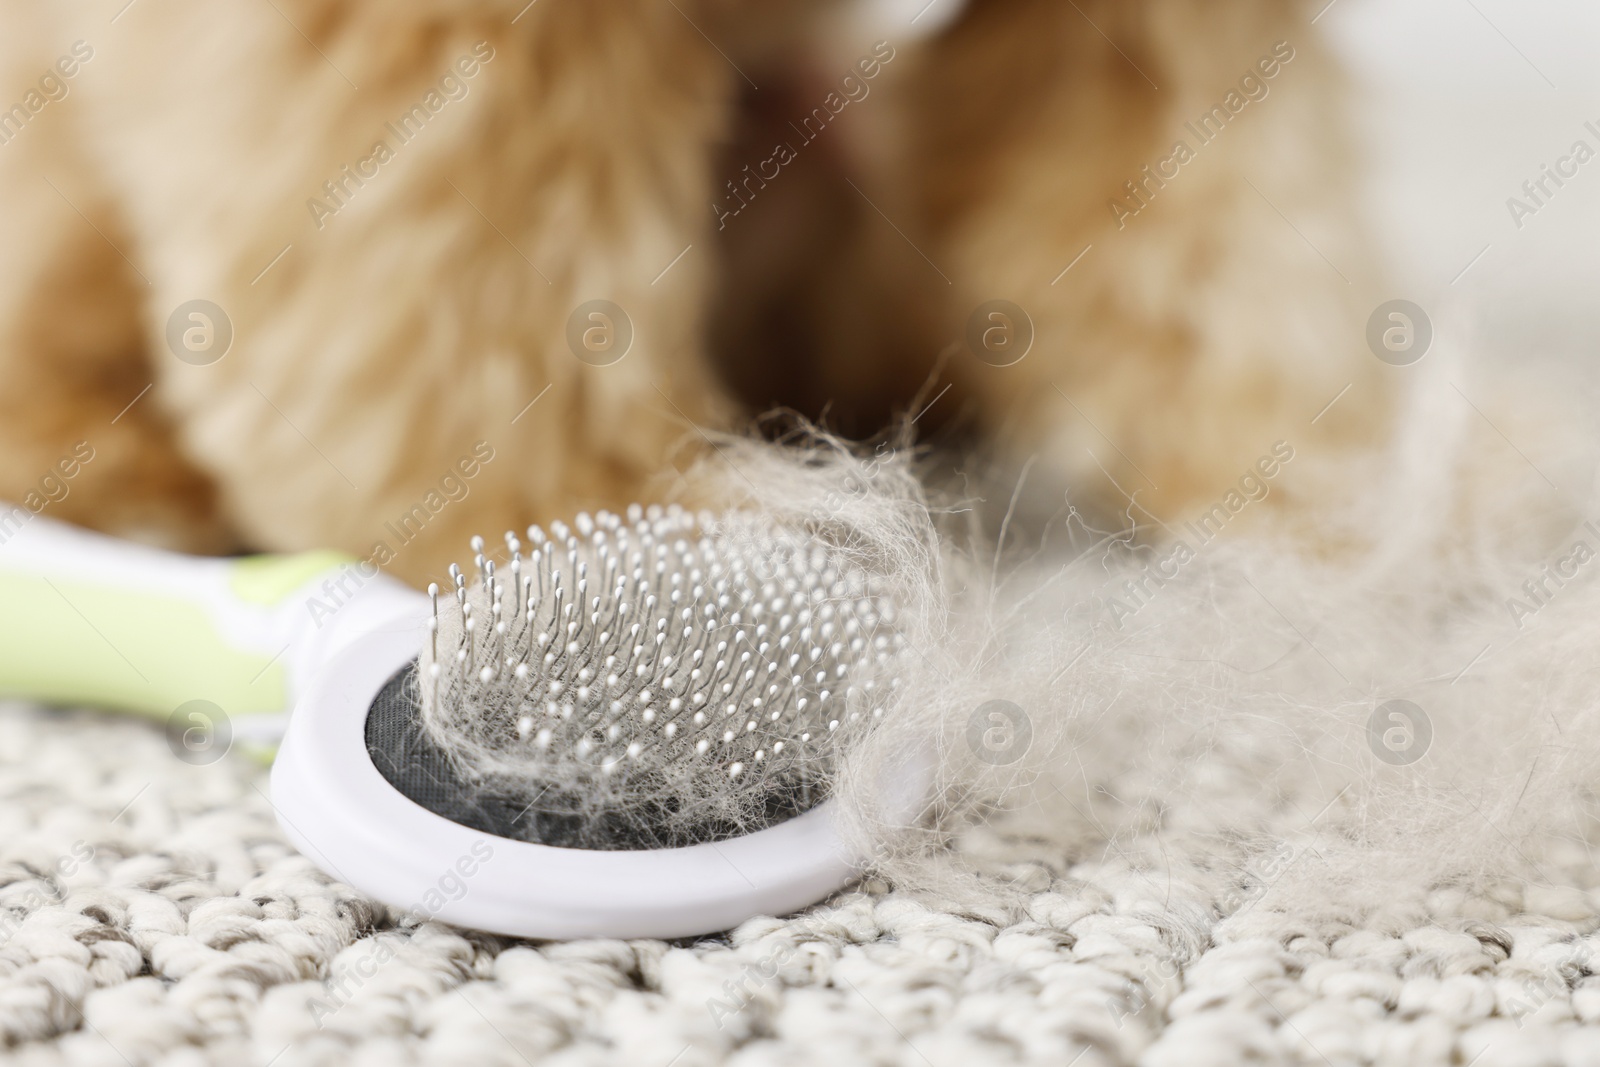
<point>1351,691</point>
<point>1361,707</point>
<point>656,679</point>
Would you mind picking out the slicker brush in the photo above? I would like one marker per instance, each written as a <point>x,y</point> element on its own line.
<point>653,680</point>
<point>632,726</point>
<point>629,726</point>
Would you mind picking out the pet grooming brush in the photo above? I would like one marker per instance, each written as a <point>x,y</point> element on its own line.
<point>91,620</point>
<point>627,730</point>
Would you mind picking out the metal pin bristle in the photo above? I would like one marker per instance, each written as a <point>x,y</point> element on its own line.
<point>665,642</point>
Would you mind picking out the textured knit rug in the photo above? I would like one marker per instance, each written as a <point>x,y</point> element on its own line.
<point>151,913</point>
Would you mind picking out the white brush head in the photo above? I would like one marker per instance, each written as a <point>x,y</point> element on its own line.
<point>654,680</point>
<point>626,728</point>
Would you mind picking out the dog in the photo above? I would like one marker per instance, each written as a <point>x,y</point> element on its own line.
<point>377,277</point>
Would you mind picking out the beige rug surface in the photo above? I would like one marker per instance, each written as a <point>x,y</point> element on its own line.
<point>152,913</point>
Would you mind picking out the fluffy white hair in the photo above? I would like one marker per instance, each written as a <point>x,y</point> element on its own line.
<point>1249,697</point>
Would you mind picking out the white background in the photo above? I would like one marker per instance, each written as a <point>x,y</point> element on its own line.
<point>1459,103</point>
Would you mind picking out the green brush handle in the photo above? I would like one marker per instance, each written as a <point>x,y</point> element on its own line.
<point>90,620</point>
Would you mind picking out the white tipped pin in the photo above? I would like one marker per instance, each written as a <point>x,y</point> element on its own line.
<point>735,597</point>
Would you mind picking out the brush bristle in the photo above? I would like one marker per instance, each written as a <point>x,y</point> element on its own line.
<point>658,679</point>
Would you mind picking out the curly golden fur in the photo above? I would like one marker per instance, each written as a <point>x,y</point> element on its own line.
<point>395,312</point>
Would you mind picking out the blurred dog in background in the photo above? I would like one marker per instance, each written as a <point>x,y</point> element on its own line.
<point>347,274</point>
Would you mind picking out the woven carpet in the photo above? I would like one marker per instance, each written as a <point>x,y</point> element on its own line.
<point>151,913</point>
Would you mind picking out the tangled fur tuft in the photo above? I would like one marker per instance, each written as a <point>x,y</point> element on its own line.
<point>1374,673</point>
<point>1403,677</point>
